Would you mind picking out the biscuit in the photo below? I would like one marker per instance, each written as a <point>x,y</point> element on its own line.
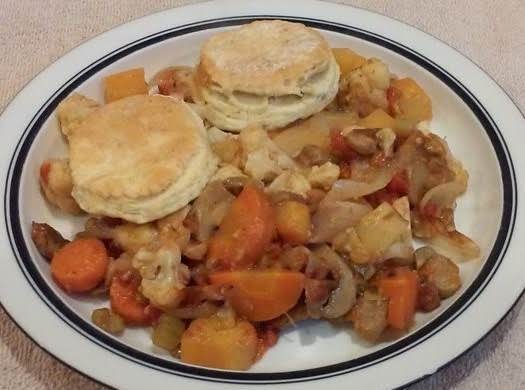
<point>140,158</point>
<point>73,110</point>
<point>267,74</point>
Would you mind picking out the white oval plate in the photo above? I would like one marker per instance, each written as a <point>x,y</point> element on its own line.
<point>481,124</point>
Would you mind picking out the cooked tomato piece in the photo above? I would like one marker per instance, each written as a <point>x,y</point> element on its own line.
<point>399,183</point>
<point>340,147</point>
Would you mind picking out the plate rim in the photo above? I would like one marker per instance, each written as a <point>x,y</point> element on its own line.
<point>28,85</point>
<point>89,331</point>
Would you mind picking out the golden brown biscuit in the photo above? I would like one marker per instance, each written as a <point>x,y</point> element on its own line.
<point>140,158</point>
<point>73,110</point>
<point>266,73</point>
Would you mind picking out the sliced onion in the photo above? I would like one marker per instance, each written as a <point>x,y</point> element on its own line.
<point>401,251</point>
<point>402,206</point>
<point>297,314</point>
<point>444,195</point>
<point>195,250</point>
<point>334,217</point>
<point>117,266</point>
<point>454,165</point>
<point>210,208</point>
<point>312,131</point>
<point>174,220</point>
<point>350,189</point>
<point>455,245</point>
<point>417,176</point>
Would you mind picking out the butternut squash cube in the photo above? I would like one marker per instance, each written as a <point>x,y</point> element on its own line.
<point>128,83</point>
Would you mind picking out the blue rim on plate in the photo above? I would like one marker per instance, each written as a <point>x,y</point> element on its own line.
<point>39,285</point>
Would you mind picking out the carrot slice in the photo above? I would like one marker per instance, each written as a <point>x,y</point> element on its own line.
<point>127,301</point>
<point>245,231</point>
<point>401,288</point>
<point>80,265</point>
<point>261,295</point>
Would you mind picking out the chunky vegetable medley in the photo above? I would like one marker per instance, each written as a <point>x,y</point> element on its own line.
<point>313,221</point>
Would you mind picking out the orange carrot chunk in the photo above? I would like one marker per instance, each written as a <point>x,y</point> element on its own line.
<point>261,295</point>
<point>127,301</point>
<point>401,288</point>
<point>245,231</point>
<point>80,265</point>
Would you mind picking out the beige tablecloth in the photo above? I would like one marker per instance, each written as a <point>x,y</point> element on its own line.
<point>34,33</point>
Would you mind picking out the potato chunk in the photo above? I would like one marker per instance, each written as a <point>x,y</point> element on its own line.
<point>292,182</point>
<point>377,119</point>
<point>407,100</point>
<point>347,59</point>
<point>128,83</point>
<point>220,343</point>
<point>293,222</point>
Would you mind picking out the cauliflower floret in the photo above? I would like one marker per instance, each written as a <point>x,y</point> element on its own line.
<point>290,182</point>
<point>377,73</point>
<point>172,230</point>
<point>386,138</point>
<point>261,166</point>
<point>264,160</point>
<point>364,89</point>
<point>73,110</point>
<point>254,138</point>
<point>132,237</point>
<point>229,152</point>
<point>163,275</point>
<point>324,176</point>
<point>226,172</point>
<point>226,146</point>
<point>424,127</point>
<point>56,183</point>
